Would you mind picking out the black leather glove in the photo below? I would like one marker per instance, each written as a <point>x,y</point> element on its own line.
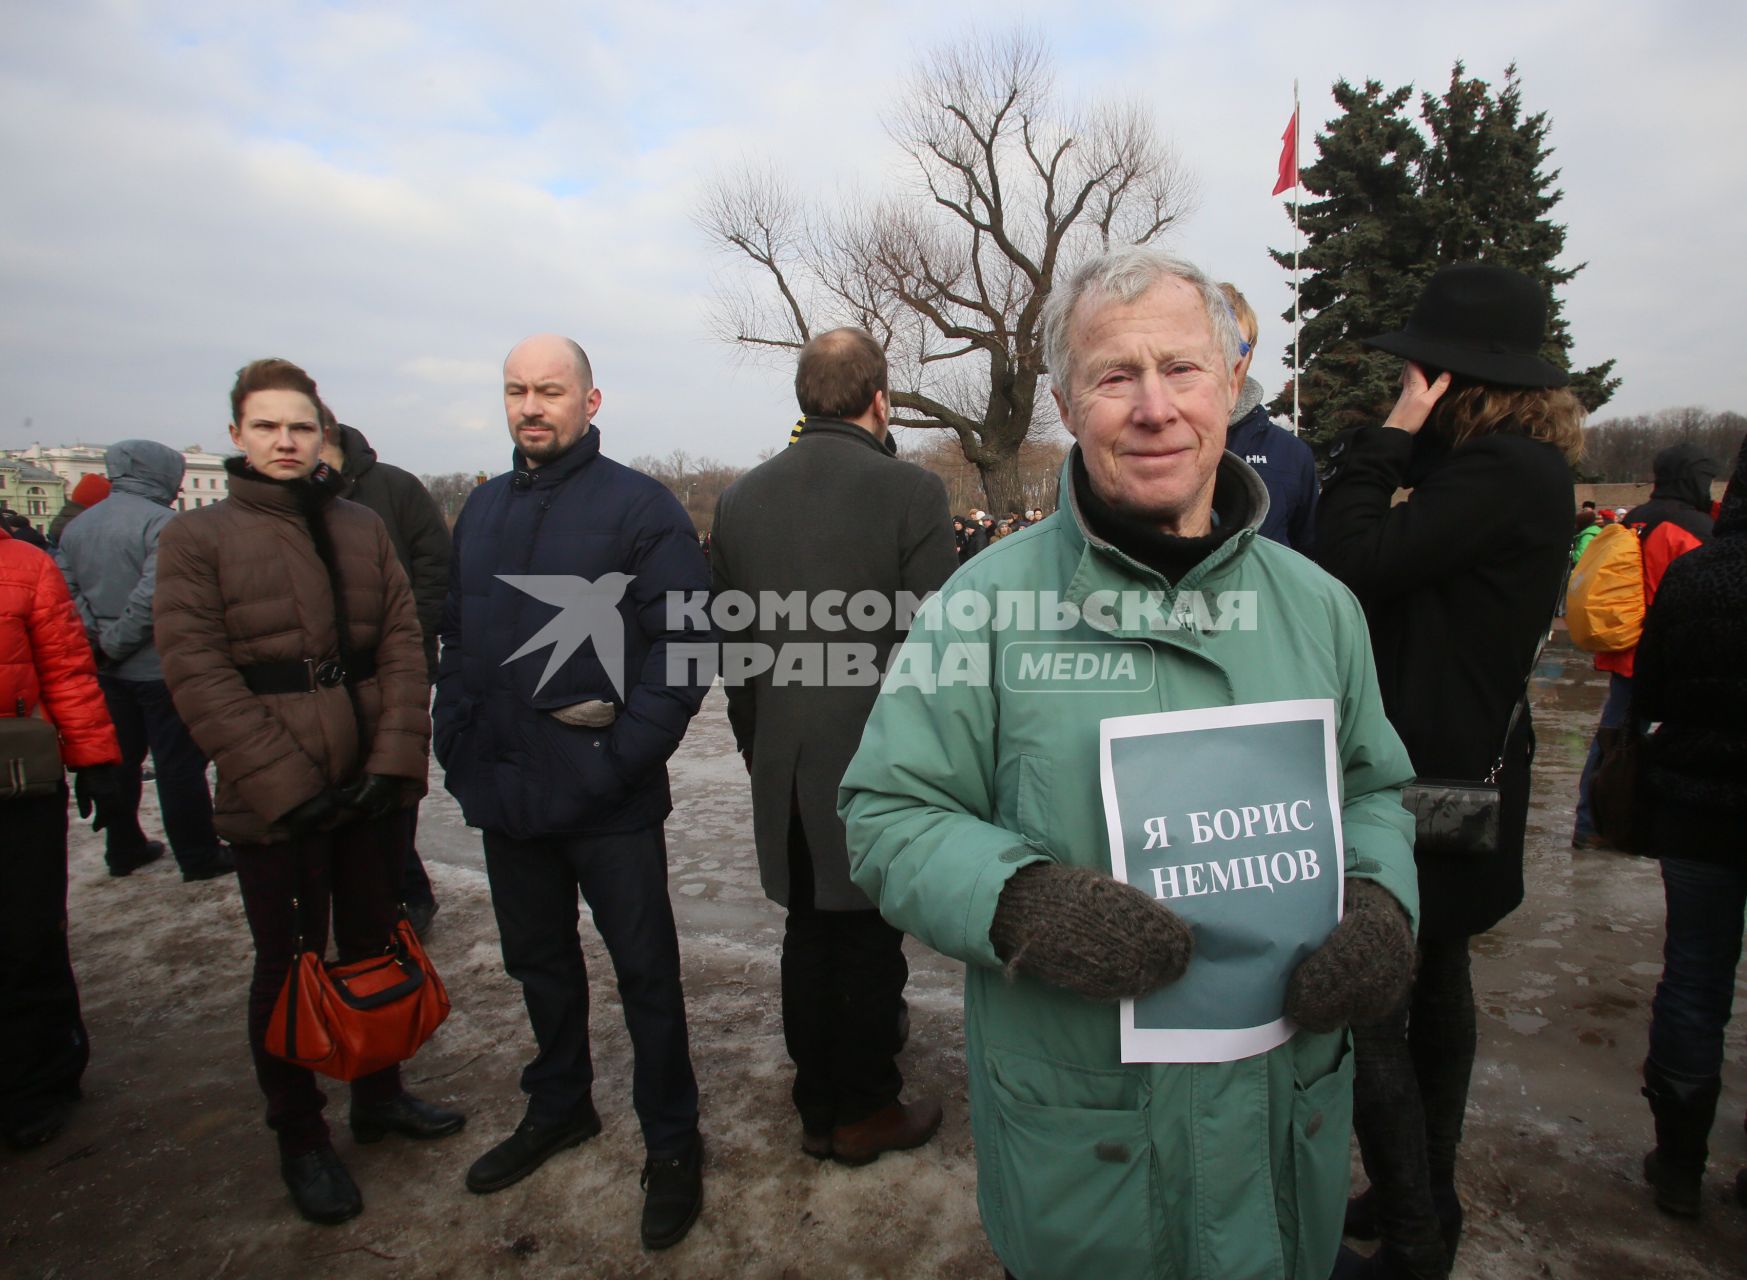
<point>1362,971</point>
<point>314,814</point>
<point>98,787</point>
<point>1080,929</point>
<point>373,796</point>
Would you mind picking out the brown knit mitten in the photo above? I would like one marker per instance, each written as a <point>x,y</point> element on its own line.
<point>1362,971</point>
<point>1077,928</point>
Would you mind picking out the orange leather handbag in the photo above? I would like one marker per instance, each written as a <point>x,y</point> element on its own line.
<point>349,1020</point>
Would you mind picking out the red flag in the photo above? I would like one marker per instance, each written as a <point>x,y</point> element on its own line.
<point>1288,156</point>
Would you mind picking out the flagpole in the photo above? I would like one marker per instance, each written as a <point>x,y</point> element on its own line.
<point>1297,125</point>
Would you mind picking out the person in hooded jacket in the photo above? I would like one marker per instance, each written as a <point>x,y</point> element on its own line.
<point>1285,463</point>
<point>45,670</point>
<point>110,559</point>
<point>420,536</point>
<point>1689,676</point>
<point>1674,520</point>
<point>1459,583</point>
<point>291,646</point>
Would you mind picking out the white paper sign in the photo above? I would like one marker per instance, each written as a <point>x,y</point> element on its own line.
<point>1231,817</point>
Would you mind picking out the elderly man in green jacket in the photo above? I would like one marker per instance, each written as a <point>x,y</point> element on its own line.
<point>976,820</point>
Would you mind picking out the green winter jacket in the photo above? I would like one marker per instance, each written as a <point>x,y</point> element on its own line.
<point>1087,1167</point>
<point>1580,543</point>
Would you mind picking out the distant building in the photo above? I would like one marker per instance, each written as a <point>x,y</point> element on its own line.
<point>35,492</point>
<point>203,484</point>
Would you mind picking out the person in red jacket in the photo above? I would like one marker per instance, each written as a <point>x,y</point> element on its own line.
<point>46,669</point>
<point>1675,519</point>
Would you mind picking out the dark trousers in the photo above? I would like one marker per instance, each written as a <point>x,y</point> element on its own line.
<point>356,869</point>
<point>1410,1091</point>
<point>1693,1001</point>
<point>415,884</point>
<point>145,719</point>
<point>843,975</point>
<point>623,877</point>
<point>43,1049</point>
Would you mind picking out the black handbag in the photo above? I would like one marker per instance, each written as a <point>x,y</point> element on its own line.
<point>1460,818</point>
<point>30,756</point>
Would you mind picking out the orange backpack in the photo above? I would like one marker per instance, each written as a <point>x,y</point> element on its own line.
<point>1604,606</point>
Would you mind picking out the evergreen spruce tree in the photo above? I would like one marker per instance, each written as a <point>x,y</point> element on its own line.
<point>1396,204</point>
<point>1366,246</point>
<point>1489,199</point>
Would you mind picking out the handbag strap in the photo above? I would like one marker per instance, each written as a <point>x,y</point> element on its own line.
<point>1522,701</point>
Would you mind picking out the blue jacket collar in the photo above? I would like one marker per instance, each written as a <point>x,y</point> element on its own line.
<point>565,465</point>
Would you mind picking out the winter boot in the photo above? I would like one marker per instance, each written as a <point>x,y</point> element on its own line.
<point>1683,1111</point>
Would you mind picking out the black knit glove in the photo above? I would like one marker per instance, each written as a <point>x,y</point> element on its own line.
<point>1362,971</point>
<point>1076,928</point>
<point>97,787</point>
<point>315,814</point>
<point>373,796</point>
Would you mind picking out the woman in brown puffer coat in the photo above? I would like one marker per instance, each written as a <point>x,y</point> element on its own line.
<point>320,742</point>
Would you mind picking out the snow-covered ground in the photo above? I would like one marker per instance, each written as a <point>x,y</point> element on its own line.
<point>167,1170</point>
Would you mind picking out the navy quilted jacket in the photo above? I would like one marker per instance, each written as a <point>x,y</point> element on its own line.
<point>602,547</point>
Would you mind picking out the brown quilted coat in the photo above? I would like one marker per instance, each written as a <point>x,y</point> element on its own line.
<point>243,582</point>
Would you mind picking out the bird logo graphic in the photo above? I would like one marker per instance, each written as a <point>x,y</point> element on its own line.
<point>587,611</point>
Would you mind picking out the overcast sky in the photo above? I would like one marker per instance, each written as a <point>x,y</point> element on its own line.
<point>393,194</point>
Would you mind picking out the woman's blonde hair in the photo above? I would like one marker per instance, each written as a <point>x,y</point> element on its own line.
<point>1470,409</point>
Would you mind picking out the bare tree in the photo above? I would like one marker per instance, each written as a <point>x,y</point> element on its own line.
<point>450,491</point>
<point>696,482</point>
<point>1623,450</point>
<point>951,275</point>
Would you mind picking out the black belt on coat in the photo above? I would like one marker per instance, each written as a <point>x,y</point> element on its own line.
<point>308,675</point>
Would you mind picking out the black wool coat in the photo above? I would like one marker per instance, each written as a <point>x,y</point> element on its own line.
<point>834,512</point>
<point>1691,675</point>
<point>1458,583</point>
<point>415,526</point>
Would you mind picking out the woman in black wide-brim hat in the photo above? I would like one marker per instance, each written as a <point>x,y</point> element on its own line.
<point>1459,583</point>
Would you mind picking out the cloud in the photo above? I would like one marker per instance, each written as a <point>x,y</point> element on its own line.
<point>394,195</point>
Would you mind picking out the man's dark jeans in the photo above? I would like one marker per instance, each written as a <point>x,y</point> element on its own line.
<point>357,868</point>
<point>145,719</point>
<point>43,1049</point>
<point>623,877</point>
<point>1410,1090</point>
<point>1614,710</point>
<point>1706,903</point>
<point>843,975</point>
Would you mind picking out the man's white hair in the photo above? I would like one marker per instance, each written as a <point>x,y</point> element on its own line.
<point>1124,274</point>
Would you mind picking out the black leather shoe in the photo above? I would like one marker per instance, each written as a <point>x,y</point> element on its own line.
<point>404,1115</point>
<point>529,1147</point>
<point>126,864</point>
<point>419,916</point>
<point>673,1195</point>
<point>320,1187</point>
<point>220,862</point>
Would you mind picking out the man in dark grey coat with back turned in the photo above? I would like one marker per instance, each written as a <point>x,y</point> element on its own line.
<point>839,526</point>
<point>110,559</point>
